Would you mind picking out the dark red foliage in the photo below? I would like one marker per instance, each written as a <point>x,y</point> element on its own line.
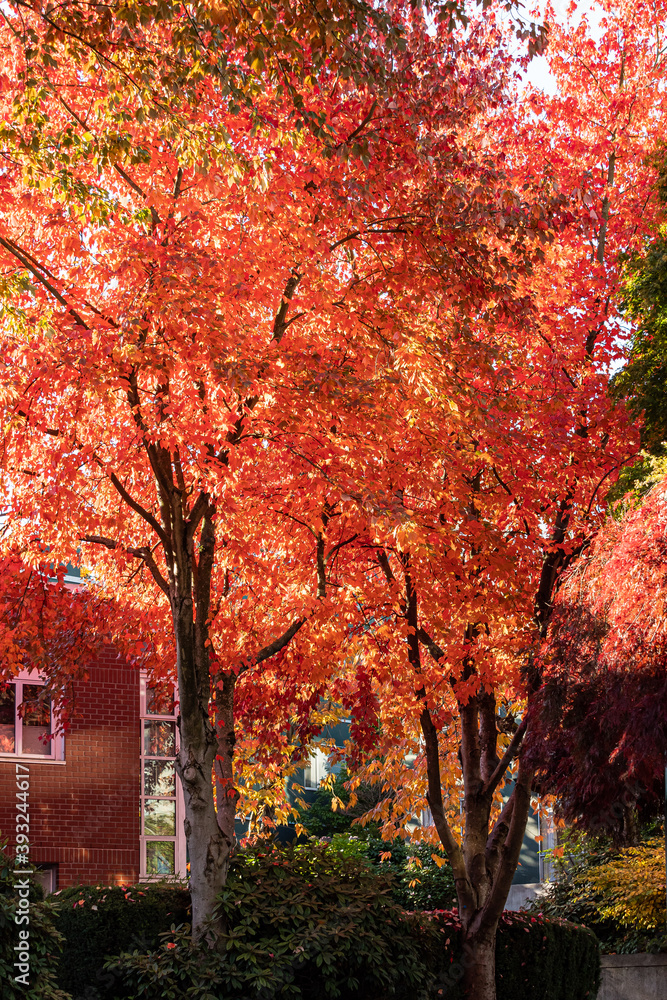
<point>599,738</point>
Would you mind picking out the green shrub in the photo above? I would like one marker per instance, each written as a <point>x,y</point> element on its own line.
<point>310,925</point>
<point>417,881</point>
<point>104,920</point>
<point>44,940</point>
<point>419,884</point>
<point>301,924</point>
<point>320,820</point>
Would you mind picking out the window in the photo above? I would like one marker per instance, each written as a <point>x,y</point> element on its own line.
<point>47,877</point>
<point>27,723</point>
<point>162,836</point>
<point>315,770</point>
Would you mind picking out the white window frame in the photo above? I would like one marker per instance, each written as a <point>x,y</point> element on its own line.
<point>549,834</point>
<point>47,877</point>
<point>57,743</point>
<point>317,763</point>
<point>180,854</point>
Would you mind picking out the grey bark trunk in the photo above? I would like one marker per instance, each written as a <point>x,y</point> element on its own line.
<point>209,846</point>
<point>479,965</point>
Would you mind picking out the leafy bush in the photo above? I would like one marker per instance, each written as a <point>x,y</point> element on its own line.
<point>320,819</point>
<point>104,920</point>
<point>307,925</point>
<point>422,878</point>
<point>44,940</point>
<point>632,886</point>
<point>420,875</point>
<point>618,894</point>
<point>301,924</point>
<point>418,882</point>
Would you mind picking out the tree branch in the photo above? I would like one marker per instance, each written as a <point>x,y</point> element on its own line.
<point>434,649</point>
<point>275,646</point>
<point>23,259</point>
<point>141,511</point>
<point>141,552</point>
<point>279,324</point>
<point>506,760</point>
<point>498,836</point>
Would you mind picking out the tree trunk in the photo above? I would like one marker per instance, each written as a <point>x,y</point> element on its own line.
<point>479,964</point>
<point>209,846</point>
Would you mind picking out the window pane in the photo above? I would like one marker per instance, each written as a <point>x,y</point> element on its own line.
<point>160,857</point>
<point>7,717</point>
<point>160,817</point>
<point>159,777</point>
<point>36,714</point>
<point>160,739</point>
<point>160,699</point>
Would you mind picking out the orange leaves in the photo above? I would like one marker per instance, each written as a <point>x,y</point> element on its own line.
<point>333,352</point>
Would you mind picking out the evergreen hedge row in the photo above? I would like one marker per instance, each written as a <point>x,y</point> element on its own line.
<point>536,958</point>
<point>305,924</point>
<point>97,921</point>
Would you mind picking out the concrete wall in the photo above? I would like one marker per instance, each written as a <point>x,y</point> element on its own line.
<point>634,977</point>
<point>523,894</point>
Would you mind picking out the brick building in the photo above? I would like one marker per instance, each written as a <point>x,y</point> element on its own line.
<point>103,799</point>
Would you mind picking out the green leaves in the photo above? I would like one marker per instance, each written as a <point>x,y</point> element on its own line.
<point>301,923</point>
<point>643,380</point>
<point>45,942</point>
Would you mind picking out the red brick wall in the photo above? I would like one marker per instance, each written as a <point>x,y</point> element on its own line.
<point>84,814</point>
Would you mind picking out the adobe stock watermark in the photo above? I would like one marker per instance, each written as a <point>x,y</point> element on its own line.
<point>22,867</point>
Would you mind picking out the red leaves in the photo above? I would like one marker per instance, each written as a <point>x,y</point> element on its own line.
<point>601,714</point>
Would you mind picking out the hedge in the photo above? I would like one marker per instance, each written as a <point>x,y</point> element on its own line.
<point>310,925</point>
<point>536,958</point>
<point>97,921</point>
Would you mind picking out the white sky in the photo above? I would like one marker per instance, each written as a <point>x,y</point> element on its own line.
<point>538,70</point>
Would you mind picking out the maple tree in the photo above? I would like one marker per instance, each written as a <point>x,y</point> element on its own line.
<point>201,312</point>
<point>497,479</point>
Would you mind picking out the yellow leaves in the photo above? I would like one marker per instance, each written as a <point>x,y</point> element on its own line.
<point>440,861</point>
<point>632,886</point>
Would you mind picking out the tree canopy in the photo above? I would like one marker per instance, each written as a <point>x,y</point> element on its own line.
<point>314,367</point>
